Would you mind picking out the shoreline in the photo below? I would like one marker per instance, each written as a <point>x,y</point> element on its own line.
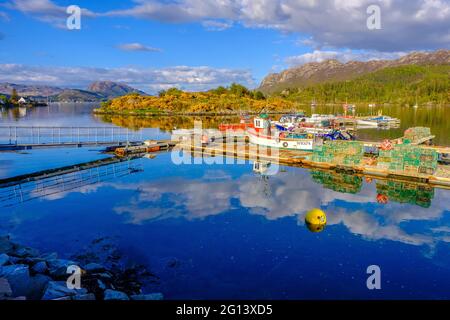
<point>98,111</point>
<point>27,274</point>
<point>187,114</point>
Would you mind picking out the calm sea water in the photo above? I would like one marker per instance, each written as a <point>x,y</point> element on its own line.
<point>225,232</point>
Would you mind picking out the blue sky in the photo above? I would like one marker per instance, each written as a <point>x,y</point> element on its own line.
<point>199,44</point>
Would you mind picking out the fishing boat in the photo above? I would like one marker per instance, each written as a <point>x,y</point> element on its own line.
<point>384,120</point>
<point>318,118</point>
<point>282,140</point>
<point>261,134</point>
<point>378,121</point>
<point>317,124</point>
<point>292,118</point>
<point>349,108</point>
<point>243,125</point>
<point>368,123</point>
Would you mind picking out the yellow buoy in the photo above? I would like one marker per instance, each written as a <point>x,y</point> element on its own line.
<point>316,220</point>
<point>315,228</point>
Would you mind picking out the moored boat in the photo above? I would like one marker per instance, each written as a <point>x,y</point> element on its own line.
<point>262,134</point>
<point>369,123</point>
<point>243,125</point>
<point>318,118</point>
<point>282,140</point>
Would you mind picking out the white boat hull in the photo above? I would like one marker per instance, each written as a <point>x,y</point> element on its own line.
<point>367,123</point>
<point>293,144</point>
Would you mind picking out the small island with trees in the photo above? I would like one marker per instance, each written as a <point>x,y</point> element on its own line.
<point>234,99</point>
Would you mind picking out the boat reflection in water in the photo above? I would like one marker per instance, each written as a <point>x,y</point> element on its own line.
<point>419,194</point>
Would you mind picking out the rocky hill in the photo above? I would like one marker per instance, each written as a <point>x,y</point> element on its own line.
<point>75,95</point>
<point>29,90</point>
<point>333,70</point>
<point>111,89</point>
<point>97,91</point>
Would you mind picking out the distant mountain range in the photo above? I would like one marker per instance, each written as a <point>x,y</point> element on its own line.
<point>333,70</point>
<point>96,91</point>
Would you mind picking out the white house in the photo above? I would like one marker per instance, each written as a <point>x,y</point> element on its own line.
<point>22,100</point>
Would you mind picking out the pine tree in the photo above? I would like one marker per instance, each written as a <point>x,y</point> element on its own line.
<point>14,96</point>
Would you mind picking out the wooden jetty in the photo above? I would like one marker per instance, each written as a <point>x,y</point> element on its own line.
<point>30,146</point>
<point>149,146</point>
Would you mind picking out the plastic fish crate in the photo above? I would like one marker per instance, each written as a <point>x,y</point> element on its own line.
<point>385,153</point>
<point>396,167</point>
<point>426,170</point>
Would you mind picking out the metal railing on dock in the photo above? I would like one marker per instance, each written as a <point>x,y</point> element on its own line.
<point>51,183</point>
<point>50,135</point>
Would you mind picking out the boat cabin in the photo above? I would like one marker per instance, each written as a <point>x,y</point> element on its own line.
<point>293,118</point>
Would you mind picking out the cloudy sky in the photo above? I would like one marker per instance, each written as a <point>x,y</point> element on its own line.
<point>199,44</point>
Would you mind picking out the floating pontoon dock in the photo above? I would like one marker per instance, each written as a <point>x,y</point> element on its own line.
<point>248,152</point>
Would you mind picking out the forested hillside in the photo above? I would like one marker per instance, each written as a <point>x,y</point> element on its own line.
<point>397,85</point>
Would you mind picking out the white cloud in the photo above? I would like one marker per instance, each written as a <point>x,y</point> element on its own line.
<point>329,23</point>
<point>4,16</point>
<point>406,24</point>
<point>135,46</point>
<point>342,56</point>
<point>149,80</point>
<point>367,226</point>
<point>46,10</point>
<point>213,25</point>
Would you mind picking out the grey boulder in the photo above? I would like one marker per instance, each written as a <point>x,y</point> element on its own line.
<point>26,252</point>
<point>115,295</point>
<point>5,245</point>
<point>18,276</point>
<point>4,259</point>
<point>5,289</point>
<point>148,297</point>
<point>94,267</point>
<point>40,267</point>
<point>59,290</point>
<point>89,296</point>
<point>58,267</point>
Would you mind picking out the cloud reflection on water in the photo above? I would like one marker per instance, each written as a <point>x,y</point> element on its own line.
<point>285,195</point>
